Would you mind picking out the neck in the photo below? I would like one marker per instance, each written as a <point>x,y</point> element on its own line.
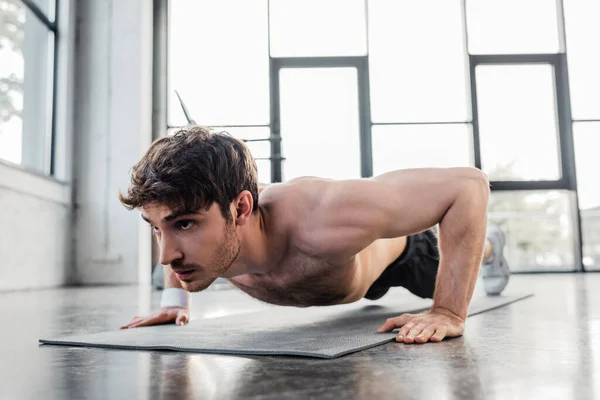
<point>254,256</point>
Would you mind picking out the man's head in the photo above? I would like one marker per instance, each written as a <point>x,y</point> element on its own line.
<point>194,188</point>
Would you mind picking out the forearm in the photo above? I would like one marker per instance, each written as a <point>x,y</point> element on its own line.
<point>461,242</point>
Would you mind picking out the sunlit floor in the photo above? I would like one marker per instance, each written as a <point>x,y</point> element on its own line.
<point>545,347</point>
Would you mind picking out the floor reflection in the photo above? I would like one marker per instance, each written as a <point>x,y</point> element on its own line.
<point>544,347</point>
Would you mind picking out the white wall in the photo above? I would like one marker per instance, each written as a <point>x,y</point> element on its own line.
<point>35,210</point>
<point>71,229</point>
<point>113,125</point>
<point>34,230</point>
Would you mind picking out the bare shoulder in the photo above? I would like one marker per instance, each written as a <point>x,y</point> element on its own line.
<point>292,205</point>
<point>295,195</point>
<point>336,219</point>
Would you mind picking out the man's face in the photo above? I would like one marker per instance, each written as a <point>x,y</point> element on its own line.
<point>198,245</point>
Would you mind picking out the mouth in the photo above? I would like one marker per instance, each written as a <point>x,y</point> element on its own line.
<point>184,275</point>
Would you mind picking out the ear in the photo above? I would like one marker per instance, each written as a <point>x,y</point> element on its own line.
<point>243,207</point>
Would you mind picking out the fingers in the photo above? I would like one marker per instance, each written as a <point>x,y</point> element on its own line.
<point>426,334</point>
<point>152,320</point>
<point>421,333</point>
<point>182,318</point>
<point>146,321</point>
<point>404,331</point>
<point>393,323</point>
<point>133,321</point>
<point>440,334</point>
<point>427,326</point>
<point>409,331</point>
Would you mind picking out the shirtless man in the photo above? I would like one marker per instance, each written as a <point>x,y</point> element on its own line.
<point>313,241</point>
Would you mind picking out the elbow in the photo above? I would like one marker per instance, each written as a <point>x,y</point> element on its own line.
<point>477,185</point>
<point>471,183</point>
<point>478,176</point>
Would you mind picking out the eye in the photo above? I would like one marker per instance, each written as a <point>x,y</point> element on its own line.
<point>154,229</point>
<point>185,224</point>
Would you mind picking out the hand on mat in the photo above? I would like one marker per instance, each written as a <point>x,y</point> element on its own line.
<point>432,325</point>
<point>164,315</point>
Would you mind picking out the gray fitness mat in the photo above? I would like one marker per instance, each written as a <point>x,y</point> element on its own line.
<point>322,332</point>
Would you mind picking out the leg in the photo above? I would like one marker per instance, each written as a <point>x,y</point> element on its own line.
<point>415,270</point>
<point>487,251</point>
<point>494,268</point>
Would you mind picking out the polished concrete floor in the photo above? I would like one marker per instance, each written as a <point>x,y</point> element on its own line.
<point>545,347</point>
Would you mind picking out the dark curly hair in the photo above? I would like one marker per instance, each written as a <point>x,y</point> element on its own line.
<point>191,170</point>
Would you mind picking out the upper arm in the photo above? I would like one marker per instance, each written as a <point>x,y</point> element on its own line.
<point>351,214</point>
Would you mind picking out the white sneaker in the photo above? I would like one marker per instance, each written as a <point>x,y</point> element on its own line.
<point>495,271</point>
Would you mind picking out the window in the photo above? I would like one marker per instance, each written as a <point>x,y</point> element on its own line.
<point>48,7</point>
<point>418,56</point>
<point>421,146</point>
<point>538,227</point>
<point>310,28</point>
<point>319,122</point>
<point>587,143</point>
<point>518,126</point>
<point>512,26</point>
<point>417,62</point>
<point>26,86</point>
<point>219,62</point>
<point>583,53</point>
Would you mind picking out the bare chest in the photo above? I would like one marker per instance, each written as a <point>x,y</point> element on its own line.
<point>301,281</point>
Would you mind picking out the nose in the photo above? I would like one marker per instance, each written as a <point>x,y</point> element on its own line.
<point>168,250</point>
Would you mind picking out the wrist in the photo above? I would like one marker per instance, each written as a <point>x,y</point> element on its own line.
<point>445,311</point>
<point>175,297</point>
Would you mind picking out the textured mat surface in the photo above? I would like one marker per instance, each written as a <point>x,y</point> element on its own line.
<point>323,332</point>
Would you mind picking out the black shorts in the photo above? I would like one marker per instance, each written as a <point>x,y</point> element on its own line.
<point>415,269</point>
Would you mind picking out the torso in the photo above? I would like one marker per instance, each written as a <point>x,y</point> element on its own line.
<point>301,279</point>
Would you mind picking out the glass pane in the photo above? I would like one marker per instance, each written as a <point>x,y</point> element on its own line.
<point>421,146</point>
<point>320,123</point>
<point>587,143</point>
<point>518,126</point>
<point>48,7</point>
<point>219,62</point>
<point>251,132</point>
<point>512,26</point>
<point>260,149</point>
<point>418,64</point>
<point>264,171</point>
<point>583,53</point>
<point>26,53</point>
<point>312,28</point>
<point>538,227</point>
